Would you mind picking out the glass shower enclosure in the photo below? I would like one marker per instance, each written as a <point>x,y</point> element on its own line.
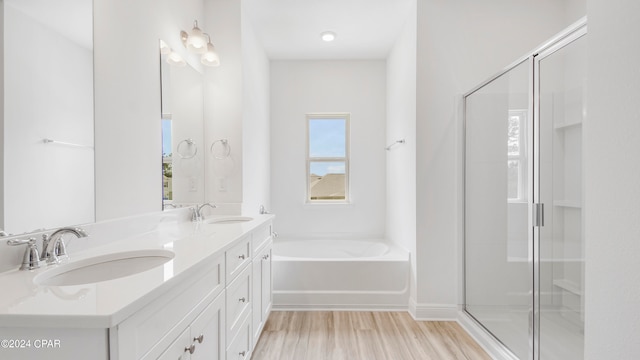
<point>523,218</point>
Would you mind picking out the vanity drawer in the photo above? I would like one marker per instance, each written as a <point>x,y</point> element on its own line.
<point>240,347</point>
<point>177,348</point>
<point>238,301</point>
<point>238,257</point>
<point>162,318</point>
<point>260,237</point>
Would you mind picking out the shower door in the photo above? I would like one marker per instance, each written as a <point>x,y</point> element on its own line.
<point>498,266</point>
<point>561,91</point>
<point>523,207</point>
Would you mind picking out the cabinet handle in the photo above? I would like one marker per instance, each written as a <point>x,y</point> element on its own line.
<point>265,257</point>
<point>190,349</point>
<point>241,257</point>
<point>199,339</point>
<point>242,353</point>
<point>242,299</point>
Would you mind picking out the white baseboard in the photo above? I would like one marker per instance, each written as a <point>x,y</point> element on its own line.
<point>339,307</point>
<point>433,312</point>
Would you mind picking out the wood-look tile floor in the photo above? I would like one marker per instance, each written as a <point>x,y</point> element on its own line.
<point>334,335</point>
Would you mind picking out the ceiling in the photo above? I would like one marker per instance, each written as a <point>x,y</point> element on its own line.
<point>290,29</point>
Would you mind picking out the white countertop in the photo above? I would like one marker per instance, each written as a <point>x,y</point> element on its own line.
<point>105,304</point>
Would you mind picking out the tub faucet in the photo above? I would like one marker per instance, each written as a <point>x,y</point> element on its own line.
<point>196,211</point>
<point>53,248</point>
<point>262,210</point>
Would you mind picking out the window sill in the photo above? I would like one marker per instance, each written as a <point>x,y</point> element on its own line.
<point>328,204</point>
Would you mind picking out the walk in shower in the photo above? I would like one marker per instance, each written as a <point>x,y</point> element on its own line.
<point>523,203</point>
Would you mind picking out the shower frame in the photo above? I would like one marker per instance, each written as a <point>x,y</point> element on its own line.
<point>535,207</point>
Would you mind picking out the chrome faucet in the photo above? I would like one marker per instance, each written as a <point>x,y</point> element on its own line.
<point>53,248</point>
<point>196,211</point>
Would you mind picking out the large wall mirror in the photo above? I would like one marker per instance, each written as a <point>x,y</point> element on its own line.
<point>183,150</point>
<point>48,123</point>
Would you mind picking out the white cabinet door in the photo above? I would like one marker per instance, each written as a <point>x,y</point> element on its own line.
<point>208,332</point>
<point>267,290</point>
<point>261,290</point>
<point>256,288</point>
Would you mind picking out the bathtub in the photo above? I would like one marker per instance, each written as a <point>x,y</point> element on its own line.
<point>339,274</point>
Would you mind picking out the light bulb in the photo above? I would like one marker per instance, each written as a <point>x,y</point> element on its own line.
<point>176,60</point>
<point>196,43</point>
<point>210,58</point>
<point>328,36</point>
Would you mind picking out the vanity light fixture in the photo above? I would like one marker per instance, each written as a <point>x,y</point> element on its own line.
<point>328,36</point>
<point>210,57</point>
<point>194,41</point>
<point>175,59</point>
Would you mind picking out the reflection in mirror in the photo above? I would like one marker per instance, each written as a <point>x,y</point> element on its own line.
<point>182,131</point>
<point>47,147</point>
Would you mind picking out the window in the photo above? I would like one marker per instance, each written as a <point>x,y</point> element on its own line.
<point>167,161</point>
<point>516,156</point>
<point>327,158</point>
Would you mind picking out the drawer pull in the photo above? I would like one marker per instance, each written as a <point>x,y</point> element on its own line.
<point>241,257</point>
<point>190,349</point>
<point>242,353</point>
<point>265,257</point>
<point>242,299</point>
<point>199,339</point>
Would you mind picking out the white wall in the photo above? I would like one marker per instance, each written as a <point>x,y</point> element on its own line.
<point>128,151</point>
<point>46,97</point>
<point>223,105</point>
<point>460,43</point>
<point>612,169</point>
<point>255,123</point>
<point>401,159</point>
<point>301,87</point>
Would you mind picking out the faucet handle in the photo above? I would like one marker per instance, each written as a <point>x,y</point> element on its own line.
<point>61,250</point>
<point>31,257</point>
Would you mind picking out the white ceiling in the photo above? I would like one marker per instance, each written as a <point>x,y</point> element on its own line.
<point>290,29</point>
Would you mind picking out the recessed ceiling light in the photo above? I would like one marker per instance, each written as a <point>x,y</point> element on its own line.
<point>328,36</point>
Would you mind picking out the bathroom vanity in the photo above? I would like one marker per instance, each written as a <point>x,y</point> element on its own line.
<point>210,300</point>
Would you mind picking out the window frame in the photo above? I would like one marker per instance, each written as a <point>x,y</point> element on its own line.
<point>345,159</point>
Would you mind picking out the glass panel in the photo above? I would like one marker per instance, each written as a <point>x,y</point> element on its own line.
<point>47,115</point>
<point>327,137</point>
<point>327,180</point>
<point>513,182</point>
<point>498,284</point>
<point>562,107</point>
<point>183,147</point>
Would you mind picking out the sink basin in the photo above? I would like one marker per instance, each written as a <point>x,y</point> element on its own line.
<point>228,220</point>
<point>104,267</point>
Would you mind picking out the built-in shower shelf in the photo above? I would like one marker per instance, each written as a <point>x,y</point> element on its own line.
<point>564,125</point>
<point>568,285</point>
<point>568,204</point>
